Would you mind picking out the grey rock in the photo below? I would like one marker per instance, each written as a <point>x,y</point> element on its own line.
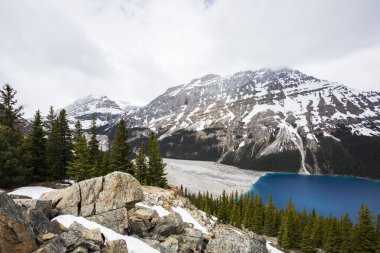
<point>116,220</point>
<point>80,249</point>
<point>170,245</point>
<point>103,199</point>
<point>15,234</point>
<point>155,244</point>
<point>71,239</point>
<point>53,246</point>
<point>191,241</point>
<point>170,224</point>
<point>116,246</point>
<point>137,227</point>
<point>65,200</point>
<point>44,205</point>
<point>40,224</point>
<point>229,239</point>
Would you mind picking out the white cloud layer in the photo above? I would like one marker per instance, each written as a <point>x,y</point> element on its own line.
<point>132,50</point>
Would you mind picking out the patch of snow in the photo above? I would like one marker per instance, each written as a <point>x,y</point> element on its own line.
<point>160,210</point>
<point>272,249</point>
<point>186,217</point>
<point>34,192</point>
<point>325,134</point>
<point>134,245</point>
<point>242,144</point>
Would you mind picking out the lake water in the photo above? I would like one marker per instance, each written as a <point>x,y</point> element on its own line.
<point>327,194</point>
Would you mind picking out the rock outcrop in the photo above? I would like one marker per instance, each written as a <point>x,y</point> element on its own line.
<point>104,200</point>
<point>110,200</point>
<point>228,239</point>
<point>15,234</point>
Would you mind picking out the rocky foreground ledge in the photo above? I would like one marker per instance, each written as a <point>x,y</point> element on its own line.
<point>115,213</point>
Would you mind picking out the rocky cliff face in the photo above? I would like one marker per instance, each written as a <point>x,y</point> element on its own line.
<point>276,120</point>
<point>150,218</point>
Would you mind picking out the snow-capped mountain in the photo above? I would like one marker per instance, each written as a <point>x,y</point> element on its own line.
<point>266,119</point>
<point>104,109</point>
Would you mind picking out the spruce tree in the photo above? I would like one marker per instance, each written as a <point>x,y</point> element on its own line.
<point>141,165</point>
<point>316,232</point>
<point>156,167</point>
<point>79,168</point>
<point>345,234</point>
<point>94,152</point>
<point>66,143</point>
<point>270,227</point>
<point>223,211</point>
<point>120,153</point>
<point>105,166</point>
<point>36,147</point>
<point>10,113</point>
<point>292,228</point>
<point>333,243</point>
<point>48,124</point>
<point>54,151</point>
<point>78,131</point>
<point>258,215</point>
<point>364,232</point>
<point>14,168</point>
<point>306,242</point>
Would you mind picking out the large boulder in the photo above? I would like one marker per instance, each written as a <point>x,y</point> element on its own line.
<point>44,205</point>
<point>41,225</point>
<point>229,239</point>
<point>15,234</point>
<point>171,224</point>
<point>103,199</point>
<point>191,241</point>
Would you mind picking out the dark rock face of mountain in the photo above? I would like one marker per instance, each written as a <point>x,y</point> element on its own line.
<point>280,120</point>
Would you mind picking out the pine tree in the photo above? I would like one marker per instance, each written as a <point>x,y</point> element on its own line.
<point>258,215</point>
<point>120,153</point>
<point>48,124</point>
<point>345,234</point>
<point>36,147</point>
<point>156,168</point>
<point>14,167</point>
<point>79,168</point>
<point>10,113</point>
<point>306,242</point>
<point>292,228</point>
<point>270,227</point>
<point>364,232</point>
<point>316,232</point>
<point>54,151</point>
<point>105,166</point>
<point>141,165</point>
<point>66,143</point>
<point>223,211</point>
<point>333,242</point>
<point>78,131</point>
<point>94,152</point>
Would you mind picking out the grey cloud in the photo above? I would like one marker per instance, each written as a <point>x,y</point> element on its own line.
<point>134,50</point>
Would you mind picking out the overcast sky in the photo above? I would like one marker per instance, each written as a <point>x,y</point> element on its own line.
<point>54,52</point>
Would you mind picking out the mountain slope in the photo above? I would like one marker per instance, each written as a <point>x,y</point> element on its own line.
<point>279,120</point>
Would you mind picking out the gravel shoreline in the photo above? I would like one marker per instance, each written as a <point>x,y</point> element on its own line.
<point>210,176</point>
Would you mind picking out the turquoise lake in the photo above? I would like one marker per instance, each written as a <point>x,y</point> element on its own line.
<point>327,194</point>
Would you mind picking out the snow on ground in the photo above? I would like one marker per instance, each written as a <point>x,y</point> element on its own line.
<point>134,245</point>
<point>186,217</point>
<point>272,249</point>
<point>34,192</point>
<point>210,176</point>
<point>160,210</point>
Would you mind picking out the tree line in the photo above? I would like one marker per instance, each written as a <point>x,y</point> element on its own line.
<point>295,230</point>
<point>52,151</point>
